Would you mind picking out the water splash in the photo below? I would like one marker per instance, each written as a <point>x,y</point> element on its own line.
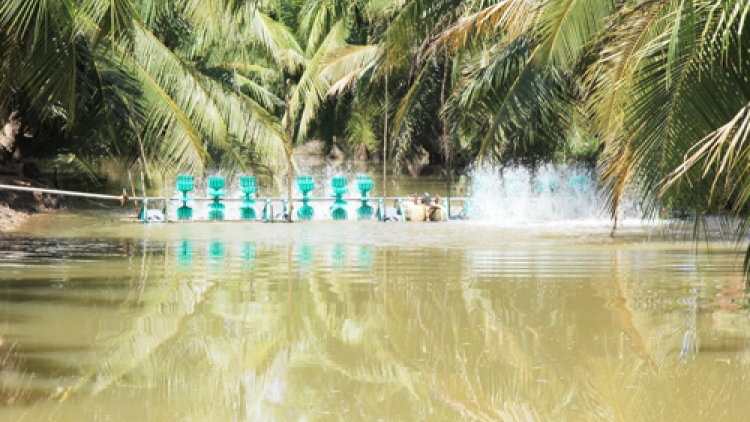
<point>516,194</point>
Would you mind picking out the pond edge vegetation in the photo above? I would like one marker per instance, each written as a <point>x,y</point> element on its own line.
<point>653,93</point>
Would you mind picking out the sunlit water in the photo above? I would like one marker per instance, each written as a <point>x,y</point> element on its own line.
<point>365,321</point>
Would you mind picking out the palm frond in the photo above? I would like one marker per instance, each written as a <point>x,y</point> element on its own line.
<point>511,18</point>
<point>724,151</point>
<point>659,120</point>
<point>343,66</point>
<point>360,130</point>
<point>566,27</point>
<point>313,85</point>
<point>403,141</point>
<point>514,103</point>
<point>276,39</point>
<point>190,113</point>
<point>610,77</point>
<point>33,21</point>
<point>316,20</point>
<point>260,93</point>
<point>114,19</point>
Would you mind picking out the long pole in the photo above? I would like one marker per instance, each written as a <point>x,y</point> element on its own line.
<point>132,190</point>
<point>143,179</point>
<point>65,192</point>
<point>290,169</point>
<point>450,176</point>
<point>446,138</point>
<point>385,135</point>
<point>140,142</point>
<point>166,196</point>
<point>144,203</point>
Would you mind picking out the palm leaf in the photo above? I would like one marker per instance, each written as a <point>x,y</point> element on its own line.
<point>512,18</point>
<point>566,27</point>
<point>114,19</point>
<point>524,105</point>
<point>403,118</point>
<point>275,38</point>
<point>343,66</point>
<point>313,85</point>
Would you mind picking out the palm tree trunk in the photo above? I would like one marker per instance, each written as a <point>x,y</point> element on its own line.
<point>10,128</point>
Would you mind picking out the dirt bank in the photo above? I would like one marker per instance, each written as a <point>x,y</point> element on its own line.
<point>15,207</point>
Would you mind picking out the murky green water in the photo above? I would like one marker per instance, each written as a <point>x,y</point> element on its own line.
<point>364,321</point>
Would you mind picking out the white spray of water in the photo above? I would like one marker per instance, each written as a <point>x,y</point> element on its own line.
<point>517,194</point>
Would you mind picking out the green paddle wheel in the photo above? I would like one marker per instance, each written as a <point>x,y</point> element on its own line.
<point>364,185</point>
<point>338,209</point>
<point>216,190</point>
<point>248,187</point>
<point>305,185</point>
<point>185,184</point>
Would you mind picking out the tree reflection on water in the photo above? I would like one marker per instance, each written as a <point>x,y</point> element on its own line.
<point>263,331</point>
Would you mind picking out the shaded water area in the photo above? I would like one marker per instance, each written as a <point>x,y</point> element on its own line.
<point>538,321</point>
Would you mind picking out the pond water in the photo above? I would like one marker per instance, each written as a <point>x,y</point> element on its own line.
<point>327,321</point>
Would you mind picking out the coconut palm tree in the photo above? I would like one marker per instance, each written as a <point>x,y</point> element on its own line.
<point>146,73</point>
<point>660,83</point>
<point>668,84</point>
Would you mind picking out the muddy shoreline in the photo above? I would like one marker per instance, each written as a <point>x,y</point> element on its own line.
<point>16,207</point>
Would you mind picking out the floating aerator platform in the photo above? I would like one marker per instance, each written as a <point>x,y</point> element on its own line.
<point>217,202</point>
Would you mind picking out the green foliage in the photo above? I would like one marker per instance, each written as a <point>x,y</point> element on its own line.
<point>128,78</point>
<point>579,148</point>
<point>654,92</point>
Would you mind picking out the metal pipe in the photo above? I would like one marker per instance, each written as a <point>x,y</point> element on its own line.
<point>279,199</point>
<point>69,193</point>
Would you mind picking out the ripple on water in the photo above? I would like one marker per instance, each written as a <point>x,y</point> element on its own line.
<point>389,321</point>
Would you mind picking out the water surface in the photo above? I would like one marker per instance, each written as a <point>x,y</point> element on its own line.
<point>108,321</point>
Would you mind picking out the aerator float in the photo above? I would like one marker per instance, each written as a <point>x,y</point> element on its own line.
<point>217,205</point>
